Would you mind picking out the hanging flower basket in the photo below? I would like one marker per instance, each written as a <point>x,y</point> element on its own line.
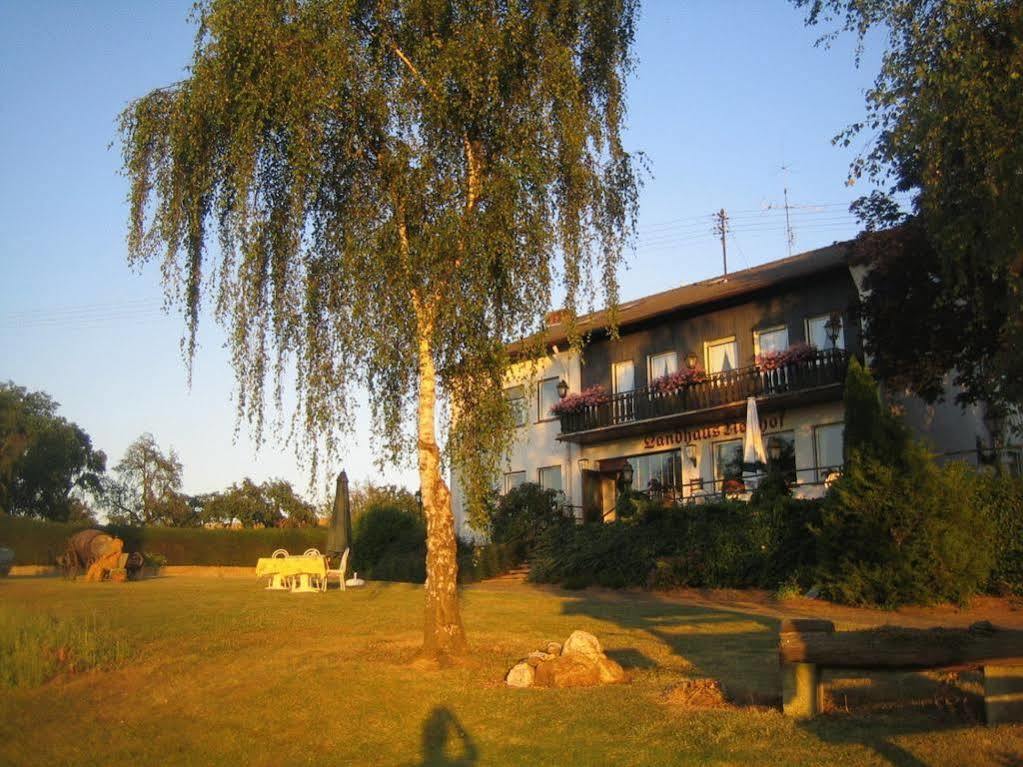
<point>798,352</point>
<point>680,379</point>
<point>576,403</point>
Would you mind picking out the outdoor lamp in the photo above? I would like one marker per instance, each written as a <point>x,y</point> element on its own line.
<point>833,327</point>
<point>562,389</point>
<point>627,473</point>
<point>774,450</point>
<point>691,453</point>
<point>691,360</point>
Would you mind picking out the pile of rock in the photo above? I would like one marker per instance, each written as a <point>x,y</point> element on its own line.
<point>580,662</point>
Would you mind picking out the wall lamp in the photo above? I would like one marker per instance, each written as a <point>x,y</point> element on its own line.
<point>692,360</point>
<point>562,389</point>
<point>626,473</point>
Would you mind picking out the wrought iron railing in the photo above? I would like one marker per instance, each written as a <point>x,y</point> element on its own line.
<point>821,369</point>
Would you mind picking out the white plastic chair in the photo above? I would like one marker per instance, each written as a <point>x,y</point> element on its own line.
<point>311,553</point>
<point>340,572</point>
<point>279,554</point>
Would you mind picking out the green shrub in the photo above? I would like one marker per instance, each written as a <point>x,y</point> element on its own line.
<point>519,518</point>
<point>1003,496</point>
<point>906,532</point>
<point>389,544</point>
<point>721,545</point>
<point>35,647</point>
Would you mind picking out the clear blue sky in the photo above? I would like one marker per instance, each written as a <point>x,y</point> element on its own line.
<point>725,94</point>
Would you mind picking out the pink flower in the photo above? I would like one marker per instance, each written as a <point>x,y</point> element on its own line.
<point>575,403</point>
<point>672,382</point>
<point>798,352</point>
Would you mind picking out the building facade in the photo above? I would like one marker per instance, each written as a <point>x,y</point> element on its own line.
<point>666,401</point>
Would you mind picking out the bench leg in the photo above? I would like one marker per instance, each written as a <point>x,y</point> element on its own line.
<point>801,692</point>
<point>1003,694</point>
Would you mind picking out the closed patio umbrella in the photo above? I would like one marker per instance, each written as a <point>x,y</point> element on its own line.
<point>339,534</point>
<point>753,455</point>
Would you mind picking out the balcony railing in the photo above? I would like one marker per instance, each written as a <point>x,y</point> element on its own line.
<point>824,368</point>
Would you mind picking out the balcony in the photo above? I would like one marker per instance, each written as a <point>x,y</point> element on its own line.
<point>723,395</point>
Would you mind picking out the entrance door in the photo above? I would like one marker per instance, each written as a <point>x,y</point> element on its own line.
<point>593,504</point>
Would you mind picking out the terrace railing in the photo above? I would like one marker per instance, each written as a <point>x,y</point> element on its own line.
<point>823,368</point>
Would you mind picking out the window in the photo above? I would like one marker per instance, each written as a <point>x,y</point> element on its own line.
<point>623,376</point>
<point>547,397</point>
<point>513,479</point>
<point>662,364</point>
<point>657,473</point>
<point>550,478</point>
<point>785,442</point>
<point>771,340</point>
<point>517,400</point>
<point>722,355</point>
<point>817,333</point>
<point>827,442</point>
<point>728,460</point>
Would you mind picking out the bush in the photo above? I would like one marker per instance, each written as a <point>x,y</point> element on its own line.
<point>520,517</point>
<point>1003,496</point>
<point>389,544</point>
<point>905,533</point>
<point>722,545</point>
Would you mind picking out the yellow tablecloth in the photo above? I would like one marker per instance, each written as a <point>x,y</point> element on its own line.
<point>291,566</point>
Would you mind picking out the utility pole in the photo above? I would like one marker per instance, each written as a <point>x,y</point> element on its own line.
<point>721,227</point>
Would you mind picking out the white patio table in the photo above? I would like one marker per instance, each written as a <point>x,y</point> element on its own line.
<point>302,567</point>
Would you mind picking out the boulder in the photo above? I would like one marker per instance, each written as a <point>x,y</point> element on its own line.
<point>611,671</point>
<point>553,648</point>
<point>568,670</point>
<point>583,643</point>
<point>521,675</point>
<point>537,657</point>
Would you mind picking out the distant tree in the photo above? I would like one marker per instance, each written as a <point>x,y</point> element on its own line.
<point>273,503</point>
<point>943,124</point>
<point>146,489</point>
<point>395,187</point>
<point>47,464</point>
<point>365,496</point>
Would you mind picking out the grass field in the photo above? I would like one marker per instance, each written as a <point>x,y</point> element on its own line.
<point>218,671</point>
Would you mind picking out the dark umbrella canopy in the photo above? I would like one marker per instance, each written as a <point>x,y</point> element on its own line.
<point>339,535</point>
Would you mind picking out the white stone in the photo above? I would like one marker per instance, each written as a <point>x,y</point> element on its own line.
<point>583,643</point>
<point>521,675</point>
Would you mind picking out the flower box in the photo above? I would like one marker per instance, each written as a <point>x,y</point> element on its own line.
<point>576,403</point>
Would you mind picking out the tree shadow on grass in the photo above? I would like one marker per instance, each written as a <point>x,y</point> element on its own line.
<point>745,661</point>
<point>445,742</point>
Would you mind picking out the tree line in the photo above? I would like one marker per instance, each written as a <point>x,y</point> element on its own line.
<point>50,469</point>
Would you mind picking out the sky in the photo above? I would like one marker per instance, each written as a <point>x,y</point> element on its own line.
<point>731,103</point>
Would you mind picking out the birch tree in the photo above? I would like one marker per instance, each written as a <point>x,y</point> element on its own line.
<point>382,194</point>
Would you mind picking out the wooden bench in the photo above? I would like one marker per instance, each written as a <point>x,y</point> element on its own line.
<point>806,647</point>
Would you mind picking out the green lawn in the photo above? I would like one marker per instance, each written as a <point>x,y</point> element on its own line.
<point>219,671</point>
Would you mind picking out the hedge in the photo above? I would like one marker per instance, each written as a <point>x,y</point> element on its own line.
<point>39,543</point>
<point>35,542</point>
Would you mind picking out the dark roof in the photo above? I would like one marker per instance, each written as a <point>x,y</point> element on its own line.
<point>712,290</point>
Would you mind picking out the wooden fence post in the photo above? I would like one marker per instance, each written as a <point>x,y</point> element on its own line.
<point>801,690</point>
